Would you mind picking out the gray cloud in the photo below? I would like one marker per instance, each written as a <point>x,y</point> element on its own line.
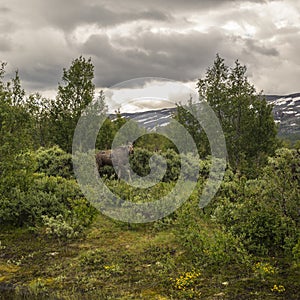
<point>5,43</point>
<point>253,45</point>
<point>67,15</point>
<point>4,9</point>
<point>172,38</point>
<point>182,6</point>
<point>177,56</point>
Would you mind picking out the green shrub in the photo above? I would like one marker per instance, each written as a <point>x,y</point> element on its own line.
<point>190,166</point>
<point>54,162</point>
<point>262,230</point>
<point>61,187</point>
<point>140,163</point>
<point>26,208</point>
<point>263,212</point>
<point>93,259</point>
<point>212,248</point>
<point>108,171</point>
<point>71,223</point>
<point>207,244</point>
<point>26,196</point>
<point>139,195</point>
<point>47,195</point>
<point>296,253</point>
<point>81,214</point>
<point>58,228</point>
<point>173,165</point>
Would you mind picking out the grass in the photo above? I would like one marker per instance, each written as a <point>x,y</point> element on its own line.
<point>115,261</point>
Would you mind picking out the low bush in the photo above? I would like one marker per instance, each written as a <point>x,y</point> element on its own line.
<point>40,194</point>
<point>185,164</point>
<point>263,213</point>
<point>54,162</point>
<point>212,248</point>
<point>57,227</point>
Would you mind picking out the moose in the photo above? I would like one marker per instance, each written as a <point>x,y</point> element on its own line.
<point>115,157</point>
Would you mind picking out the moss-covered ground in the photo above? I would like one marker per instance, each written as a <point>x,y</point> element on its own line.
<point>118,261</point>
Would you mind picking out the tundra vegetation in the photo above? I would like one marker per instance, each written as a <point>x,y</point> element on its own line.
<point>55,245</point>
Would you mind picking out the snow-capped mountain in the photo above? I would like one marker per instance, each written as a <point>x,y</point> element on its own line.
<point>153,118</point>
<point>286,111</point>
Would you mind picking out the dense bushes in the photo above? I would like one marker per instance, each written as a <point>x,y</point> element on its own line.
<point>71,222</point>
<point>41,196</point>
<point>250,217</point>
<point>258,216</point>
<point>49,196</point>
<point>264,213</point>
<point>206,243</point>
<point>262,230</point>
<point>54,162</point>
<point>188,165</point>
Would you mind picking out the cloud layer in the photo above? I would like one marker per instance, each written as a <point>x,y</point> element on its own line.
<point>172,39</point>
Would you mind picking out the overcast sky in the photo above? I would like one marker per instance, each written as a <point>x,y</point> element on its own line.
<point>166,38</point>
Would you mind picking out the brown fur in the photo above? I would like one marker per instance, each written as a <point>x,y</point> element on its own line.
<point>116,156</point>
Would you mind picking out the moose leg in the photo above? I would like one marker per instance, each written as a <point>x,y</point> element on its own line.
<point>123,170</point>
<point>119,173</point>
<point>129,174</point>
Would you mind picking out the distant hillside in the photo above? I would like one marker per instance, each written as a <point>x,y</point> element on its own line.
<point>286,113</point>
